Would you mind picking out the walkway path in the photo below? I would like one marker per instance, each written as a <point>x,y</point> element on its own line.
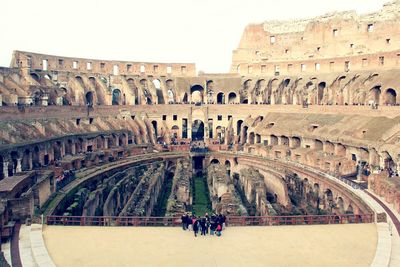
<point>312,246</point>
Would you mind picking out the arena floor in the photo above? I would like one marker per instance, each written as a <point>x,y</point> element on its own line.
<point>330,245</point>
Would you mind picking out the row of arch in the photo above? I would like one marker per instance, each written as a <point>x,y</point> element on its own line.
<point>47,153</point>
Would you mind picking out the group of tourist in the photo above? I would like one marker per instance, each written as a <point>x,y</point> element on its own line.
<point>205,225</point>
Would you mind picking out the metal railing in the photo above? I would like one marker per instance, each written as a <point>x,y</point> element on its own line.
<point>230,221</point>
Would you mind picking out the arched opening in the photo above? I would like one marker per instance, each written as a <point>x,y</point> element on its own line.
<point>35,77</point>
<point>284,141</point>
<point>68,147</point>
<point>36,158</point>
<point>239,127</point>
<point>321,89</point>
<point>116,97</point>
<point>220,132</point>
<point>329,203</point>
<point>80,81</point>
<point>286,82</point>
<point>318,145</point>
<point>350,209</point>
<point>157,85</point>
<point>251,138</point>
<point>390,97</point>
<point>220,98</point>
<point>296,142</point>
<point>26,160</point>
<point>170,91</point>
<point>329,148</point>
<point>198,130</point>
<point>214,161</point>
<point>340,205</point>
<point>175,132</point>
<point>245,101</point>
<point>316,189</point>
<point>89,98</point>
<point>154,123</point>
<point>79,145</point>
<point>92,81</point>
<point>258,139</point>
<point>36,98</point>
<point>57,150</point>
<point>244,135</point>
<point>274,140</point>
<point>341,150</point>
<point>228,167</point>
<point>232,98</point>
<point>375,94</point>
<point>122,140</point>
<point>197,93</point>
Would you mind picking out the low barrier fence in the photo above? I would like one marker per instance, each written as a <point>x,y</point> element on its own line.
<point>230,221</point>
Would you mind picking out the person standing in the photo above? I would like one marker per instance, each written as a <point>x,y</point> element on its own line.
<point>196,227</point>
<point>203,226</point>
<point>184,219</point>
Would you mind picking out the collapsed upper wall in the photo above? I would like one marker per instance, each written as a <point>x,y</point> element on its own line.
<point>335,42</point>
<point>37,61</point>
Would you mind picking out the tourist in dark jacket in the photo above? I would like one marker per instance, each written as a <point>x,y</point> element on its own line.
<point>213,226</point>
<point>203,226</point>
<point>196,227</point>
<point>184,219</point>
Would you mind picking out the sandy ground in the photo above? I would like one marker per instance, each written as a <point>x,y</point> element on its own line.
<point>330,245</point>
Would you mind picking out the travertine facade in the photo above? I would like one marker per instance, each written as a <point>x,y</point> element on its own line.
<point>335,42</point>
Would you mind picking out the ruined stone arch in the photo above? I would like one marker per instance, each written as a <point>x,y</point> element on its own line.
<point>296,142</point>
<point>57,150</point>
<point>35,76</point>
<point>197,93</point>
<point>26,160</point>
<point>374,95</point>
<point>340,205</point>
<point>251,138</point>
<point>231,98</point>
<point>36,158</point>
<point>274,140</point>
<point>214,161</point>
<point>390,97</point>
<point>239,127</point>
<point>89,98</point>
<point>116,97</point>
<point>321,92</point>
<point>220,98</point>
<point>198,130</point>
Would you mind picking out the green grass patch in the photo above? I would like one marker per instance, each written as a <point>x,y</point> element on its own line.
<point>201,196</point>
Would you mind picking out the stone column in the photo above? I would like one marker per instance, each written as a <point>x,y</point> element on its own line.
<point>5,169</point>
<point>19,166</point>
<point>30,162</point>
<point>105,142</point>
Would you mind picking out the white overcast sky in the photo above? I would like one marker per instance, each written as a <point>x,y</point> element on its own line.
<point>201,31</point>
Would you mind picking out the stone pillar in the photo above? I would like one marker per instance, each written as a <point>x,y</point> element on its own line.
<point>30,161</point>
<point>105,142</point>
<point>73,148</point>
<point>5,169</point>
<point>19,166</point>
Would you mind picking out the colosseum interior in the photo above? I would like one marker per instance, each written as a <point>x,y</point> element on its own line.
<point>304,130</point>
